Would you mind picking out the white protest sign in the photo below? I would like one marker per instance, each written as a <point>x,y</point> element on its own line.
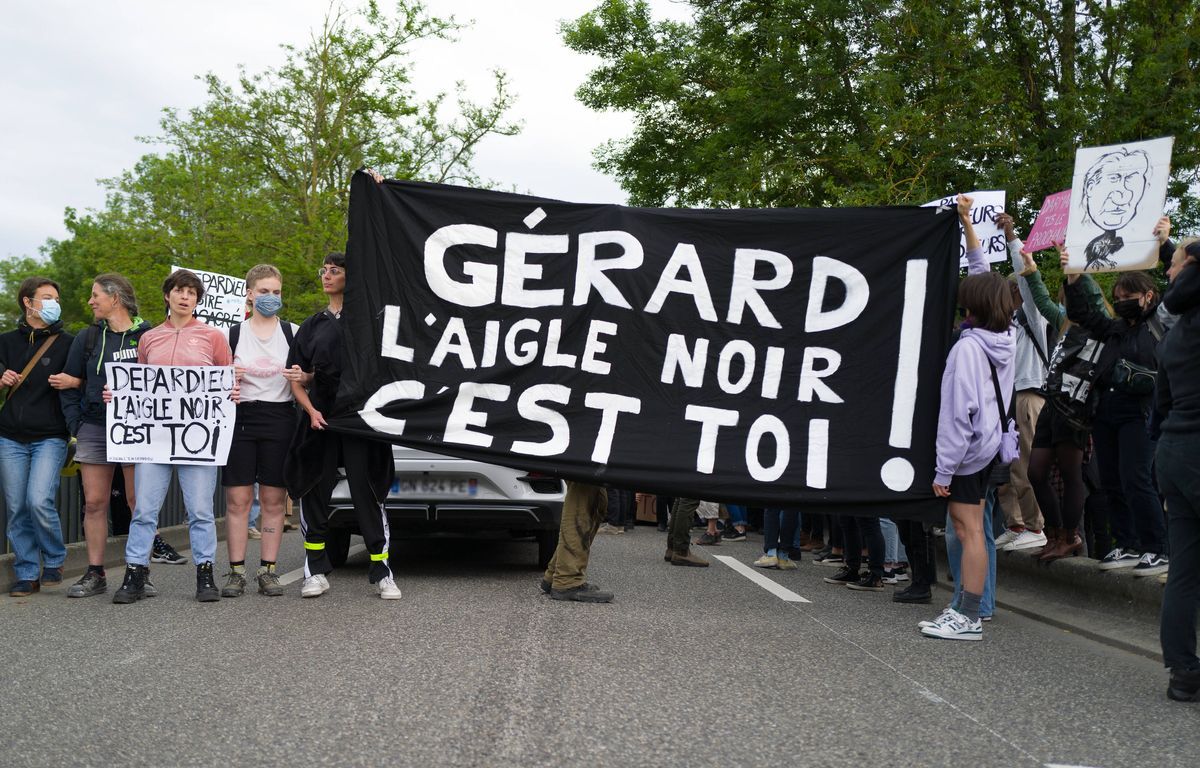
<point>986,205</point>
<point>1118,193</point>
<point>224,302</point>
<point>170,414</point>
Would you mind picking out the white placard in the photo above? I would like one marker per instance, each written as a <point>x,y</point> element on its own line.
<point>985,205</point>
<point>1118,193</point>
<point>224,302</point>
<point>170,414</point>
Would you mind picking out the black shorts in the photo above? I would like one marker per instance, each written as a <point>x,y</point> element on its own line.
<point>261,438</point>
<point>972,488</point>
<point>1053,428</point>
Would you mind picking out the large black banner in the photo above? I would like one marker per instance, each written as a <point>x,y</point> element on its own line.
<point>782,357</point>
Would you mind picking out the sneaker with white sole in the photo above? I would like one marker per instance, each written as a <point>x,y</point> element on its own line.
<point>894,576</point>
<point>1026,539</point>
<point>1151,564</point>
<point>923,624</point>
<point>1120,558</point>
<point>314,586</point>
<point>767,561</point>
<point>1008,535</point>
<point>388,589</point>
<point>952,625</point>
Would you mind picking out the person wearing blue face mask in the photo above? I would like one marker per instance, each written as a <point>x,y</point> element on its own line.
<point>266,415</point>
<point>33,435</point>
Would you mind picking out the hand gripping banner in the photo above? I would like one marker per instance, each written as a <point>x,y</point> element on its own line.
<point>784,357</point>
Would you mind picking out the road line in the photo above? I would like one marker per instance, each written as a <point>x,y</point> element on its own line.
<point>783,593</point>
<point>298,574</point>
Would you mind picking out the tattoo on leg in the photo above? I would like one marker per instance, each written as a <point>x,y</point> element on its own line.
<point>268,530</point>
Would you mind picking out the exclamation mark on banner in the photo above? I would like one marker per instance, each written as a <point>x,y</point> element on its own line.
<point>897,472</point>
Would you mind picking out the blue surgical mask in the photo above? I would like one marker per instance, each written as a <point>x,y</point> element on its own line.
<point>268,304</point>
<point>50,311</point>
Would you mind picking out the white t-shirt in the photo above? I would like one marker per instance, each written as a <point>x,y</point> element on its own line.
<point>264,362</point>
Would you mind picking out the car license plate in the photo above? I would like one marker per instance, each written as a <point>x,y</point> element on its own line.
<point>435,485</point>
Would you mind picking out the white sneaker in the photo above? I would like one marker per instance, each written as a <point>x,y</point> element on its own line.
<point>314,586</point>
<point>388,589</point>
<point>1026,539</point>
<point>952,625</point>
<point>923,624</point>
<point>1008,535</point>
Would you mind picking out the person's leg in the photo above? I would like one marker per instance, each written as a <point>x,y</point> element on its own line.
<point>737,516</point>
<point>987,606</point>
<point>255,508</point>
<point>15,461</point>
<point>1179,481</point>
<point>238,499</point>
<point>891,542</point>
<point>273,501</point>
<point>789,526</point>
<point>967,522</point>
<point>1137,485</point>
<point>583,509</point>
<point>954,559</point>
<point>198,485</point>
<point>873,537</point>
<point>851,542</point>
<point>771,521</point>
<point>360,457</point>
<point>1019,500</point>
<point>42,500</point>
<point>1107,458</point>
<point>152,481</point>
<point>314,519</point>
<point>681,524</point>
<point>96,480</point>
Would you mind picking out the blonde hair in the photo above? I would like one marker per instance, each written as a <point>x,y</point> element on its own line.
<point>258,272</point>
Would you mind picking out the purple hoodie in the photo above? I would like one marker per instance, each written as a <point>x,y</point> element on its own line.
<point>968,435</point>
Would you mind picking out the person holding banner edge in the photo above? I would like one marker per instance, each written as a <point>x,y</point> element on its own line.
<point>263,431</point>
<point>979,370</point>
<point>33,436</point>
<point>314,369</point>
<point>180,340</point>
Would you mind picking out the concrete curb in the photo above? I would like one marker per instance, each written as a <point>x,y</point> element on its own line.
<point>1078,581</point>
<point>114,553</point>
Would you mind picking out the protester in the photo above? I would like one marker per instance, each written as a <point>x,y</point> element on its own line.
<point>979,366</point>
<point>857,532</point>
<point>1126,363</point>
<point>922,558</point>
<point>679,540</point>
<point>735,530</point>
<point>710,513</point>
<point>180,340</point>
<point>622,511</point>
<point>33,436</point>
<point>112,339</point>
<point>1178,399</point>
<point>780,525</point>
<point>266,416</point>
<point>314,371</point>
<point>566,574</point>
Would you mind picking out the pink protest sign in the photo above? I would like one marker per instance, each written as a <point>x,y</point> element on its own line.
<point>1051,224</point>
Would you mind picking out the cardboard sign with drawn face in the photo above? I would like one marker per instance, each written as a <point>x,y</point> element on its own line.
<point>1117,196</point>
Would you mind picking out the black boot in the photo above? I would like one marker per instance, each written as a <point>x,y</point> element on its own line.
<point>206,588</point>
<point>1184,685</point>
<point>915,593</point>
<point>133,588</point>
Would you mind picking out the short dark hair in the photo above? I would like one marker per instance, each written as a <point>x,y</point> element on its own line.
<point>1134,282</point>
<point>336,259</point>
<point>988,298</point>
<point>29,287</point>
<point>184,278</point>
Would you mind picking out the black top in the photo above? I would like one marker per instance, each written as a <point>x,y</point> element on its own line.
<point>107,346</point>
<point>1122,340</point>
<point>1179,355</point>
<point>318,350</point>
<point>33,412</point>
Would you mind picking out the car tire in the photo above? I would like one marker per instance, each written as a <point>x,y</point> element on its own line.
<point>337,546</point>
<point>547,542</point>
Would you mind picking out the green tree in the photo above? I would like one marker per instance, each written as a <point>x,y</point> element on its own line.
<point>867,102</point>
<point>260,171</point>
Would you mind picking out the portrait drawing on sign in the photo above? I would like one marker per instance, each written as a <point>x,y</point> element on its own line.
<point>1113,188</point>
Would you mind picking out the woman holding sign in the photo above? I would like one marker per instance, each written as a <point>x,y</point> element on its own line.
<point>266,414</point>
<point>181,340</point>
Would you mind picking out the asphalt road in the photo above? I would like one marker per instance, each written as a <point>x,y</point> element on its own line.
<point>475,667</point>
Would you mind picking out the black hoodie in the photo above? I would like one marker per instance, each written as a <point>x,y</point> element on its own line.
<point>33,412</point>
<point>108,346</point>
<point>1179,355</point>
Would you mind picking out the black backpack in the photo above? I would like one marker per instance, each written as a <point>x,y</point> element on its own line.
<point>1074,370</point>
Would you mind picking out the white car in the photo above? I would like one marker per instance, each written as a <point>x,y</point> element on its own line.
<point>435,493</point>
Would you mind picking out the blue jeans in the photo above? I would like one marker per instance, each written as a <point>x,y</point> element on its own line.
<point>29,473</point>
<point>255,509</point>
<point>780,526</point>
<point>954,556</point>
<point>893,548</point>
<point>198,484</point>
<point>737,514</point>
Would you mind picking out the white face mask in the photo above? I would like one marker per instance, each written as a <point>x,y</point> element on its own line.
<point>50,311</point>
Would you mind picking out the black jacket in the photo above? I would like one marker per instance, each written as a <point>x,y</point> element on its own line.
<point>1179,356</point>
<point>108,346</point>
<point>1135,343</point>
<point>34,412</point>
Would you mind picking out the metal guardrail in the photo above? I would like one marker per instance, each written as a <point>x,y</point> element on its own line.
<point>70,509</point>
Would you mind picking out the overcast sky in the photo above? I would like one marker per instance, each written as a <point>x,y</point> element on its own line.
<point>83,80</point>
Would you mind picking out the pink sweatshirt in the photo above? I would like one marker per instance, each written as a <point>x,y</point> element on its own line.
<point>194,344</point>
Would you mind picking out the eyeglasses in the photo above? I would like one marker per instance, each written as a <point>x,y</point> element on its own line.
<point>335,271</point>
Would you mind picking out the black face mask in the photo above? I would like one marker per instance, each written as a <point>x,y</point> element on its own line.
<point>1128,309</point>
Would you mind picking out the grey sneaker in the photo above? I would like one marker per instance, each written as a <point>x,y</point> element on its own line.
<point>148,589</point>
<point>90,584</point>
<point>268,583</point>
<point>235,585</point>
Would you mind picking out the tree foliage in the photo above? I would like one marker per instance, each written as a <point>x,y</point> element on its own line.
<point>868,102</point>
<point>260,171</point>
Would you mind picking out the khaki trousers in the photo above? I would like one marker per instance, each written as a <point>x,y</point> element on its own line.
<point>1020,505</point>
<point>583,510</point>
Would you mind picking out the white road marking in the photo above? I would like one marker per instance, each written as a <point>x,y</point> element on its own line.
<point>783,593</point>
<point>296,575</point>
